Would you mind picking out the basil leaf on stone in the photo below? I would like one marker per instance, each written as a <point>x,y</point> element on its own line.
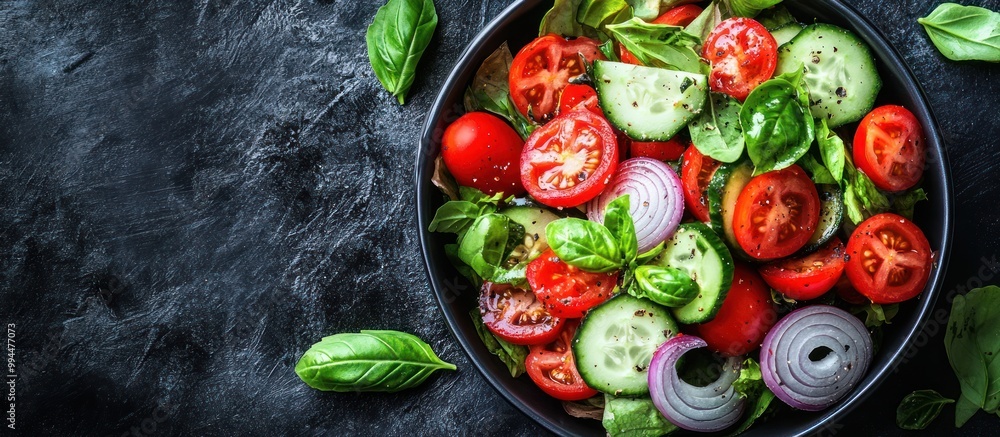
<point>484,245</point>
<point>584,244</point>
<point>386,361</point>
<point>920,408</point>
<point>750,8</point>
<point>973,349</point>
<point>964,33</point>
<point>396,39</point>
<point>716,132</point>
<point>903,204</point>
<point>618,220</point>
<point>666,286</point>
<point>831,150</point>
<point>454,216</point>
<point>777,125</point>
<point>490,91</point>
<point>511,355</point>
<point>658,45</point>
<point>561,20</point>
<point>599,13</point>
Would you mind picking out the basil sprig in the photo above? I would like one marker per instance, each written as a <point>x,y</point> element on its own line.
<point>385,361</point>
<point>592,246</point>
<point>973,349</point>
<point>777,125</point>
<point>666,286</point>
<point>396,39</point>
<point>920,408</point>
<point>964,33</point>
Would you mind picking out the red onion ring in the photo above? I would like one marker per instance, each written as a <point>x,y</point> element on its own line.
<point>714,407</point>
<point>657,201</point>
<point>813,385</point>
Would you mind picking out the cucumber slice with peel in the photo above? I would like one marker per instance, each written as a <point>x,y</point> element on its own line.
<point>698,251</point>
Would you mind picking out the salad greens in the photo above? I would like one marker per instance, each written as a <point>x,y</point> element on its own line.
<point>368,361</point>
<point>659,45</point>
<point>600,13</point>
<point>666,286</point>
<point>562,20</point>
<point>920,408</point>
<point>751,386</point>
<point>717,132</point>
<point>964,33</point>
<point>396,39</point>
<point>619,222</point>
<point>750,8</point>
<point>634,417</point>
<point>831,149</point>
<point>490,91</point>
<point>777,124</point>
<point>512,355</point>
<point>584,244</point>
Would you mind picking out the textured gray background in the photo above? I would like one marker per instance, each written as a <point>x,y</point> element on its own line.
<point>192,194</point>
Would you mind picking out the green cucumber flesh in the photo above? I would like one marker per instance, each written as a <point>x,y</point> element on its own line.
<point>648,104</point>
<point>724,189</point>
<point>831,212</point>
<point>699,252</point>
<point>840,72</point>
<point>785,33</point>
<point>616,341</point>
<point>534,219</point>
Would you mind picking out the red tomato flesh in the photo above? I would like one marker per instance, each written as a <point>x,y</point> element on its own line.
<point>743,55</point>
<point>577,97</point>
<point>515,315</point>
<point>696,172</point>
<point>552,367</point>
<point>889,148</point>
<point>776,213</point>
<point>745,317</point>
<point>541,70</point>
<point>565,290</point>
<point>890,259</point>
<point>810,276</point>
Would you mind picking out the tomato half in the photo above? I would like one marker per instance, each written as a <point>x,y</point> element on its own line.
<point>575,97</point>
<point>745,317</point>
<point>810,276</point>
<point>552,367</point>
<point>776,213</point>
<point>890,259</point>
<point>662,150</point>
<point>889,148</point>
<point>482,151</point>
<point>515,315</point>
<point>846,292</point>
<point>565,290</point>
<point>696,172</point>
<point>743,54</point>
<point>679,16</point>
<point>543,68</point>
<point>569,160</point>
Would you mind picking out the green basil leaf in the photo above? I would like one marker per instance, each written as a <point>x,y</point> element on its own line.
<point>386,361</point>
<point>451,251</point>
<point>659,45</point>
<point>904,203</point>
<point>973,347</point>
<point>511,355</point>
<point>862,199</point>
<point>634,417</point>
<point>703,24</point>
<point>607,49</point>
<point>920,408</point>
<point>480,198</point>
<point>964,33</point>
<point>717,132</point>
<point>599,13</point>
<point>618,220</point>
<point>490,91</point>
<point>396,39</point>
<point>750,385</point>
<point>831,149</point>
<point>561,20</point>
<point>484,246</point>
<point>750,8</point>
<point>454,216</point>
<point>584,244</point>
<point>648,255</point>
<point>876,314</point>
<point>516,276</point>
<point>777,125</point>
<point>817,171</point>
<point>775,18</point>
<point>666,286</point>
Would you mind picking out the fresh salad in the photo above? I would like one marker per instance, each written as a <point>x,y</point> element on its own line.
<point>679,212</point>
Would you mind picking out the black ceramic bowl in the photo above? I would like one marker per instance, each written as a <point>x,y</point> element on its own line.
<point>518,24</point>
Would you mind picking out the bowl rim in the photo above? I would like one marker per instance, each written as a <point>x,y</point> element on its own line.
<point>876,375</point>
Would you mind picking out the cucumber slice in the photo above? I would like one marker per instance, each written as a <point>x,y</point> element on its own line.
<point>831,212</point>
<point>534,219</point>
<point>785,33</point>
<point>616,341</point>
<point>648,104</point>
<point>723,190</point>
<point>839,72</point>
<point>700,253</point>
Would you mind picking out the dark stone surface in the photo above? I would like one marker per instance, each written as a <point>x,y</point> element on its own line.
<point>193,194</point>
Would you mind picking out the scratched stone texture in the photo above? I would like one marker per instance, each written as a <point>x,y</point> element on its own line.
<point>192,193</point>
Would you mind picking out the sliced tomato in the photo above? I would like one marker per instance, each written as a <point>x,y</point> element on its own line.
<point>515,315</point>
<point>696,172</point>
<point>552,367</point>
<point>627,57</point>
<point>745,317</point>
<point>810,276</point>
<point>847,293</point>
<point>743,55</point>
<point>575,97</point>
<point>569,160</point>
<point>679,16</point>
<point>890,259</point>
<point>662,150</point>
<point>776,213</point>
<point>543,68</point>
<point>565,290</point>
<point>889,148</point>
<point>482,151</point>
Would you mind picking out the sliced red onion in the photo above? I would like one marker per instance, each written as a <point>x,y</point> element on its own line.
<point>841,349</point>
<point>714,407</point>
<point>657,201</point>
